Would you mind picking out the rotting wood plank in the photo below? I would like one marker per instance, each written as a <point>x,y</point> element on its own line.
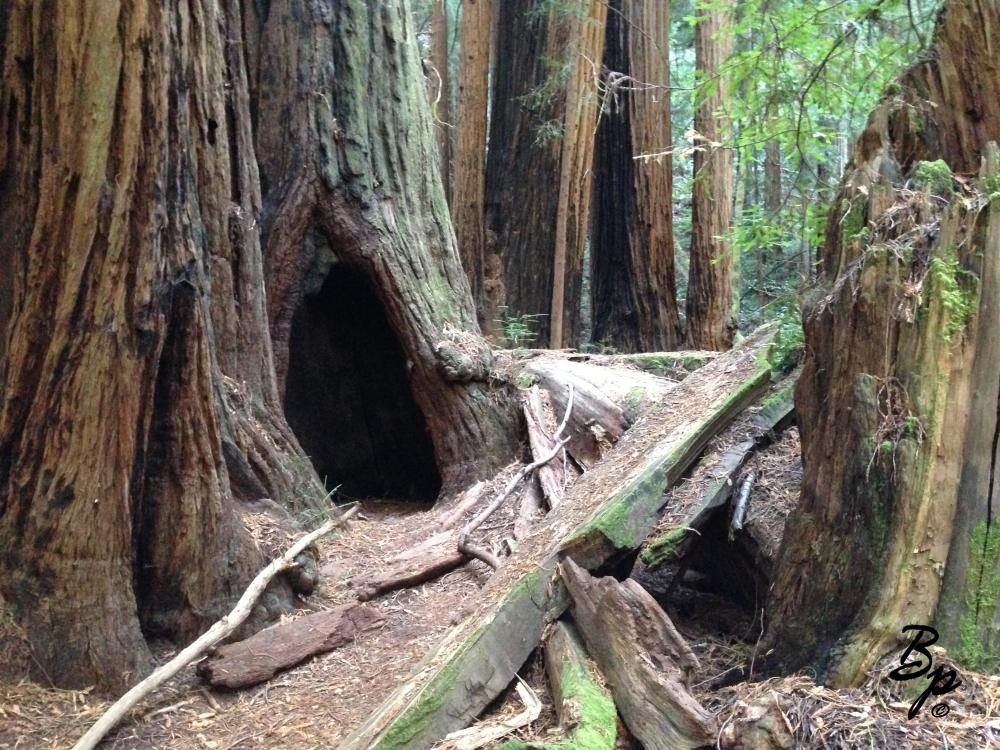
<point>608,511</point>
<point>647,663</point>
<point>279,647</point>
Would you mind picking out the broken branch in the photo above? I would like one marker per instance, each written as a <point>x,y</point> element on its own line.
<point>209,638</point>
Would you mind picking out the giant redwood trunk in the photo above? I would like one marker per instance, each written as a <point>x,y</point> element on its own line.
<point>141,399</point>
<point>632,248</point>
<point>140,395</point>
<point>376,343</point>
<point>538,173</point>
<point>898,400</point>
<point>710,303</point>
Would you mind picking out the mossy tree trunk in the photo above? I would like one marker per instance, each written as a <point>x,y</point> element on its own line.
<point>545,107</point>
<point>898,399</point>
<point>350,173</point>
<point>711,320</point>
<point>632,248</point>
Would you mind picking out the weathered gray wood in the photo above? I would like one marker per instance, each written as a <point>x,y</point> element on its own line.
<point>551,476</point>
<point>647,663</point>
<point>279,647</point>
<point>424,562</point>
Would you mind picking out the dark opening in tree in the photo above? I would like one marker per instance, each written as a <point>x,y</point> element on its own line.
<point>348,397</point>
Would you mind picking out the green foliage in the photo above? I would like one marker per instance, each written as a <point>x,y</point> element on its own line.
<point>518,330</point>
<point>935,177</point>
<point>956,299</point>
<point>789,341</point>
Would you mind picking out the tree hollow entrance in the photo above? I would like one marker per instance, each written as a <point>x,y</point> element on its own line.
<point>348,395</point>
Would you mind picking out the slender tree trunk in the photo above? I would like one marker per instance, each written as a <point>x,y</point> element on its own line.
<point>470,158</point>
<point>528,141</point>
<point>899,396</point>
<point>586,47</point>
<point>632,249</point>
<point>710,299</point>
<point>442,93</point>
<point>772,208</point>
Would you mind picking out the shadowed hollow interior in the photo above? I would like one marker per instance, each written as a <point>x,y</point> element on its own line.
<point>348,395</point>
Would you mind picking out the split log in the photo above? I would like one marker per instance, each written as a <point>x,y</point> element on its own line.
<point>530,510</point>
<point>608,401</point>
<point>647,663</point>
<point>605,515</point>
<point>279,647</point>
<point>711,484</point>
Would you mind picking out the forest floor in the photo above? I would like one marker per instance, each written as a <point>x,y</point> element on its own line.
<point>317,704</point>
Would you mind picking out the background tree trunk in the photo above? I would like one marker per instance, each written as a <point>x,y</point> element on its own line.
<point>442,93</point>
<point>632,249</point>
<point>537,132</point>
<point>898,398</point>
<point>467,202</point>
<point>710,303</point>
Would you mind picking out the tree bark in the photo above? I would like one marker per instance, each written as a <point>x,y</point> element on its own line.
<point>899,392</point>
<point>134,267</point>
<point>347,185</point>
<point>470,160</point>
<point>141,395</point>
<point>632,248</point>
<point>710,302</point>
<point>542,126</point>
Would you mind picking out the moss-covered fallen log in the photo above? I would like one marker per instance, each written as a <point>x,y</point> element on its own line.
<point>605,515</point>
<point>584,706</point>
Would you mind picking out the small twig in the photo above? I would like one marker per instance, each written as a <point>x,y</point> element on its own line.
<point>209,638</point>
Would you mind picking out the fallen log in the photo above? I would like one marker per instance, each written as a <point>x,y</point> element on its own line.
<point>552,475</point>
<point>647,663</point>
<point>710,487</point>
<point>606,514</point>
<point>433,558</point>
<point>608,401</point>
<point>279,647</point>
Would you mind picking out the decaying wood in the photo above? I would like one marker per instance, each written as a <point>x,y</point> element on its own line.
<point>486,735</point>
<point>608,401</point>
<point>681,524</point>
<point>647,663</point>
<point>427,561</point>
<point>465,545</point>
<point>584,706</point>
<point>742,502</point>
<point>604,516</point>
<point>551,476</point>
<point>279,647</point>
<point>213,635</point>
<point>530,510</point>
